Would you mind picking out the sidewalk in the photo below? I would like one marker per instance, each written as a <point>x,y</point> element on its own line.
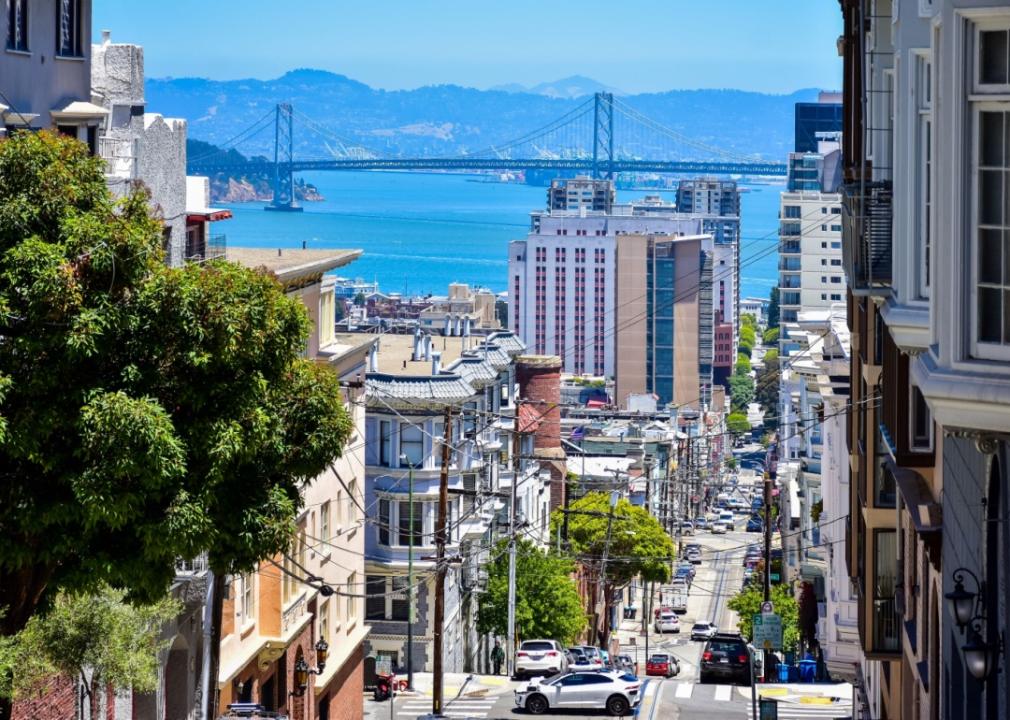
<point>462,684</point>
<point>803,693</point>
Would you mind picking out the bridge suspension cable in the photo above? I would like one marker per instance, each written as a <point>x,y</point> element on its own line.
<point>250,132</point>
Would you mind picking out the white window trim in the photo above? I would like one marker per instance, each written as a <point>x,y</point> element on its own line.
<point>922,114</point>
<point>996,19</point>
<point>912,447</point>
<point>427,503</point>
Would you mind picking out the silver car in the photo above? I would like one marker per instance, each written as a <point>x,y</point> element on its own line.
<point>615,692</point>
<point>540,657</point>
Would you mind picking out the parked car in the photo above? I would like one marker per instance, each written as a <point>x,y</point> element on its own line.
<point>728,519</point>
<point>754,524</point>
<point>725,657</point>
<point>626,663</point>
<point>684,575</point>
<point>662,664</point>
<point>593,657</point>
<point>540,657</point>
<point>667,622</point>
<point>686,528</point>
<point>700,523</point>
<point>719,528</point>
<point>689,569</point>
<point>694,556</point>
<point>703,630</point>
<point>579,660</point>
<point>615,692</point>
<point>605,659</point>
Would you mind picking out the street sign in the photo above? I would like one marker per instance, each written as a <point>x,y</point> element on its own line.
<point>768,709</point>
<point>768,632</point>
<point>775,577</point>
<point>767,608</point>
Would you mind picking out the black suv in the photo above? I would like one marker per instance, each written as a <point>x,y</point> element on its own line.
<point>725,657</point>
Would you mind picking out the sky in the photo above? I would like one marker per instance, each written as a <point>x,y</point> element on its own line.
<point>634,45</point>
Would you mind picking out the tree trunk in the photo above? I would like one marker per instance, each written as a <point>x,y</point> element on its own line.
<point>20,594</point>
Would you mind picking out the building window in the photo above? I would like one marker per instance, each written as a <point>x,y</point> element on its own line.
<point>375,597</point>
<point>383,521</point>
<point>885,616</point>
<point>324,523</point>
<point>352,496</point>
<point>400,605</point>
<point>412,444</point>
<point>992,318</point>
<point>404,524</point>
<point>924,162</point>
<point>791,211</point>
<point>920,421</point>
<point>68,29</point>
<point>17,25</point>
<point>385,442</point>
<point>994,56</point>
<point>352,581</point>
<point>248,598</point>
<point>324,621</point>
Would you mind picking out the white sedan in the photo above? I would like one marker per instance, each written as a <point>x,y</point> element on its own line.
<point>667,622</point>
<point>615,692</point>
<point>718,528</point>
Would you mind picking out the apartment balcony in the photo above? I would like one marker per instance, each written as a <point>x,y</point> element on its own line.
<point>789,247</point>
<point>211,248</point>
<point>789,264</point>
<point>120,155</point>
<point>789,282</point>
<point>867,211</point>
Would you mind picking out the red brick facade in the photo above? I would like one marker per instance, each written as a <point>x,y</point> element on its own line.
<point>539,378</point>
<point>58,701</point>
<point>343,694</point>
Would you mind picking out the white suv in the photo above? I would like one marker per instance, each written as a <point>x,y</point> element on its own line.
<point>540,657</point>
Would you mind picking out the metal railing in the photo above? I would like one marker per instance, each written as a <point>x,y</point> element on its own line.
<point>120,155</point>
<point>193,566</point>
<point>790,247</point>
<point>867,211</point>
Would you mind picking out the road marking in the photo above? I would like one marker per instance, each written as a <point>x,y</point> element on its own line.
<point>723,692</point>
<point>684,690</point>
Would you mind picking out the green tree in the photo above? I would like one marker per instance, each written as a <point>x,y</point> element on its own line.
<point>742,365</point>
<point>96,637</point>
<point>766,390</point>
<point>359,299</point>
<point>547,601</point>
<point>748,320</point>
<point>748,335</point>
<point>773,308</point>
<point>741,391</point>
<point>770,336</point>
<point>747,604</point>
<point>737,423</point>
<point>147,413</point>
<point>638,545</point>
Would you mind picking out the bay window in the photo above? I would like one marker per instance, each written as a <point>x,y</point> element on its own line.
<point>412,444</point>
<point>924,168</point>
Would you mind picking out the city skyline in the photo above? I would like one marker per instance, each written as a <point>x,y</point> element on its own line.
<point>419,44</point>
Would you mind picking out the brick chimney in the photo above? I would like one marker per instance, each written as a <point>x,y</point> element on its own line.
<point>539,378</point>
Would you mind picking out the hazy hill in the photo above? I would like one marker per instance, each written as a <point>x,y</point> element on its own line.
<point>448,119</point>
<point>569,87</point>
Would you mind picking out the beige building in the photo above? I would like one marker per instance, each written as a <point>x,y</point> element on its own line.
<point>272,620</point>
<point>664,318</point>
<point>463,312</point>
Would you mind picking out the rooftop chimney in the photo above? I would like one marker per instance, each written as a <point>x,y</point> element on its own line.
<point>436,363</point>
<point>416,354</point>
<point>106,37</point>
<point>427,347</point>
<point>373,358</point>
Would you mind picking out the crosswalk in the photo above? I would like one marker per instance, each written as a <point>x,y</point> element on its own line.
<point>789,708</point>
<point>461,708</point>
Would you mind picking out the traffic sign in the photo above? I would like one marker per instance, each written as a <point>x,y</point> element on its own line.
<point>768,632</point>
<point>767,608</point>
<point>775,577</point>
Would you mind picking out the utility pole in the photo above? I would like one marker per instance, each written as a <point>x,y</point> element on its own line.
<point>410,577</point>
<point>510,641</point>
<point>440,539</point>
<point>602,581</point>
<point>768,533</point>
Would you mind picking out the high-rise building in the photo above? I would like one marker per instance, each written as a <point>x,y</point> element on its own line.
<point>664,306</point>
<point>814,119</point>
<point>581,193</point>
<point>709,197</point>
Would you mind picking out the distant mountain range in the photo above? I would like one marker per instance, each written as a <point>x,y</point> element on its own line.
<point>570,87</point>
<point>335,113</point>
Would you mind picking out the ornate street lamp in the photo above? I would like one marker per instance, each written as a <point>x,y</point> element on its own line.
<point>968,609</point>
<point>302,669</point>
<point>962,602</point>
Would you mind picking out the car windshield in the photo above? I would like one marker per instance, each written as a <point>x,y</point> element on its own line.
<point>538,646</point>
<point>577,653</point>
<point>727,647</point>
<point>658,658</point>
<point>550,679</point>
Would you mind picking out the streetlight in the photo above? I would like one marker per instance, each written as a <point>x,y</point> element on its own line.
<point>969,610</point>
<point>410,571</point>
<point>302,669</point>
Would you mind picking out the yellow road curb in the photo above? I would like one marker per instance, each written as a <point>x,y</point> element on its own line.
<point>816,700</point>
<point>773,692</point>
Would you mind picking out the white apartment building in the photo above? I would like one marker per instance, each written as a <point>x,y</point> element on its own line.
<point>811,275</point>
<point>562,281</point>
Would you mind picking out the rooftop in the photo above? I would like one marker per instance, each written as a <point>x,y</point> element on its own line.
<point>287,264</point>
<point>396,352</point>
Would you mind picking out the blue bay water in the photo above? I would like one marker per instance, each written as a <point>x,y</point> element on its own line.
<point>419,232</point>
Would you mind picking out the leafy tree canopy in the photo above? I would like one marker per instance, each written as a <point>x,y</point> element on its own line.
<point>741,390</point>
<point>748,336</point>
<point>773,308</point>
<point>737,423</point>
<point>748,320</point>
<point>770,336</point>
<point>98,638</point>
<point>747,604</point>
<point>547,601</point>
<point>638,543</point>
<point>742,364</point>
<point>147,413</point>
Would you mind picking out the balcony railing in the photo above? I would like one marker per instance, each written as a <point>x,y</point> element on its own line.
<point>214,247</point>
<point>194,566</point>
<point>867,212</point>
<point>120,155</point>
<point>790,247</point>
<point>789,264</point>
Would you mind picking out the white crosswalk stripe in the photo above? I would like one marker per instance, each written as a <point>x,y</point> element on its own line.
<point>719,693</point>
<point>796,711</point>
<point>461,708</point>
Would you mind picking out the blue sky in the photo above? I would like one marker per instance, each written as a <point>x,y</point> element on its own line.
<point>634,45</point>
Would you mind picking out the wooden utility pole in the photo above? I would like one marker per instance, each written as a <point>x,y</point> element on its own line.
<point>510,641</point>
<point>440,541</point>
<point>768,534</point>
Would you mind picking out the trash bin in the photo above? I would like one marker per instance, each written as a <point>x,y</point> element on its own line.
<point>808,670</point>
<point>783,673</point>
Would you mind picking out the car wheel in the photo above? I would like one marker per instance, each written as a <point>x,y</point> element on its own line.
<point>536,704</point>
<point>617,705</point>
<point>703,678</point>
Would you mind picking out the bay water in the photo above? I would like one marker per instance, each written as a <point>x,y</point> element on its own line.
<point>420,232</point>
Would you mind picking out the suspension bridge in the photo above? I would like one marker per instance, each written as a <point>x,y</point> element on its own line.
<point>600,137</point>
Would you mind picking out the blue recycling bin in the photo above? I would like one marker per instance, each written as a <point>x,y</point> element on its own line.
<point>783,673</point>
<point>808,670</point>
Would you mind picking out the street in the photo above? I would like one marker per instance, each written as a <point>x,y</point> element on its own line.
<point>718,578</point>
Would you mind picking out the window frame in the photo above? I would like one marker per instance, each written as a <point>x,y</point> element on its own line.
<point>983,350</point>
<point>411,427</point>
<point>325,531</point>
<point>925,164</point>
<point>9,45</point>
<point>77,49</point>
<point>912,446</point>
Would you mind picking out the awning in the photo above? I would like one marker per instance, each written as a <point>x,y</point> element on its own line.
<point>11,117</point>
<point>79,110</point>
<point>926,514</point>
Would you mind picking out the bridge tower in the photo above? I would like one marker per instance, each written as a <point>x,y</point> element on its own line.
<point>603,135</point>
<point>284,182</point>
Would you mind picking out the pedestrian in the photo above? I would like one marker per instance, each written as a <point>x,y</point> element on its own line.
<point>497,657</point>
